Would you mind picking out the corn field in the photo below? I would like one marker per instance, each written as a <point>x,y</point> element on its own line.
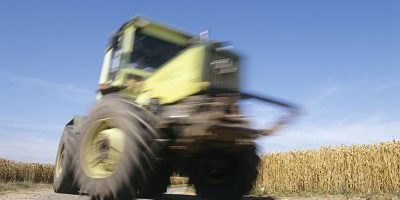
<point>32,172</point>
<point>352,169</point>
<point>345,169</point>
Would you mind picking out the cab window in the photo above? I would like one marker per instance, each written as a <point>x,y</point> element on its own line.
<point>149,53</point>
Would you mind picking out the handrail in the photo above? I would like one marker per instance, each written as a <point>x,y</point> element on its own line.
<point>292,112</point>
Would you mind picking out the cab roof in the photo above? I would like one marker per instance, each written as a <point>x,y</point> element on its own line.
<point>161,31</point>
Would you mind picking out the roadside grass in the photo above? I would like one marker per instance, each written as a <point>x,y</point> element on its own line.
<point>15,186</point>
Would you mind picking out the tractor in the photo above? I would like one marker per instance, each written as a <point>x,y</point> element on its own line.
<point>167,102</point>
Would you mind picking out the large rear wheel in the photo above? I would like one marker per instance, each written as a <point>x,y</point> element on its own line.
<point>118,150</point>
<point>225,176</point>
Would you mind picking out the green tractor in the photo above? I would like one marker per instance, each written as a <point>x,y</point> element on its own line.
<point>167,102</point>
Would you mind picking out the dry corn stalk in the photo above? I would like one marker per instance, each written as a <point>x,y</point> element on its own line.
<point>32,172</point>
<point>344,169</point>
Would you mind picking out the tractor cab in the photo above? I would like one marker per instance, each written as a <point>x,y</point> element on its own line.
<point>146,60</point>
<point>137,50</point>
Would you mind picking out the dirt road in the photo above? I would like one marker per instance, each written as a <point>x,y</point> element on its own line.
<point>48,194</point>
<point>39,194</point>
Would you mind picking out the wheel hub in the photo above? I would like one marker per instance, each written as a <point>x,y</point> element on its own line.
<point>102,149</point>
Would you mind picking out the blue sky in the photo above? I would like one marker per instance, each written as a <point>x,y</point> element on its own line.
<point>339,60</point>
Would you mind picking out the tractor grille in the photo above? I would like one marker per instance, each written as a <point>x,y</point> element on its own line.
<point>222,71</point>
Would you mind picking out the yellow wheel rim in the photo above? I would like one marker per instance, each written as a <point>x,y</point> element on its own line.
<point>102,149</point>
<point>59,160</point>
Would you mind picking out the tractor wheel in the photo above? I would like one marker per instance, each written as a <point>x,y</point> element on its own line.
<point>63,181</point>
<point>225,177</point>
<point>118,149</point>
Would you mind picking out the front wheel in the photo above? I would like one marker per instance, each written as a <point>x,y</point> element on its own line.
<point>118,149</point>
<point>225,176</point>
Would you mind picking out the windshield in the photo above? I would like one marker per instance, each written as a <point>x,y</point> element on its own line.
<point>149,53</point>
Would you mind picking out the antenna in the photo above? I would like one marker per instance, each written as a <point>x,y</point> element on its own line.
<point>204,35</point>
